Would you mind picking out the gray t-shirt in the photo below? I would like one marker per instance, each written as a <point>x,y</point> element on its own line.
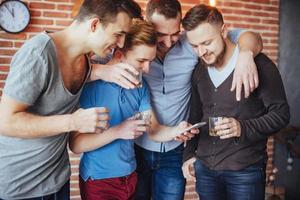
<point>35,167</point>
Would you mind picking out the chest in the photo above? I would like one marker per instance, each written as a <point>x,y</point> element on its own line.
<point>74,75</point>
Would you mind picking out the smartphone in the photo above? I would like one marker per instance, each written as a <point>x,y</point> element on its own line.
<point>198,125</point>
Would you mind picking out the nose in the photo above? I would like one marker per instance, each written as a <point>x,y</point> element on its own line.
<point>146,66</point>
<point>201,51</point>
<point>168,41</point>
<point>121,41</point>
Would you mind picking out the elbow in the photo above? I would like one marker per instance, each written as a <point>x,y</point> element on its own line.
<point>73,146</point>
<point>74,149</point>
<point>4,126</point>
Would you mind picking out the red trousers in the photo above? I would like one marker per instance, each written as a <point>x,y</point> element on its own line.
<point>121,188</point>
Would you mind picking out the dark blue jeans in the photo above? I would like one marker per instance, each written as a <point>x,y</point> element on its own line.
<point>62,194</point>
<point>159,174</point>
<point>246,184</point>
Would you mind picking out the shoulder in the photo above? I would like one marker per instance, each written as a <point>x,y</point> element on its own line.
<point>264,63</point>
<point>199,72</point>
<point>38,45</point>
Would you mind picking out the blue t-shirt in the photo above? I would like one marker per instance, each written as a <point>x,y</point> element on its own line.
<point>117,158</point>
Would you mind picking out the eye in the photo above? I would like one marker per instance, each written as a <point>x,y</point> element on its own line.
<point>207,43</point>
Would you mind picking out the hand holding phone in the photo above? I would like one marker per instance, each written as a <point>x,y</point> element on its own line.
<point>197,125</point>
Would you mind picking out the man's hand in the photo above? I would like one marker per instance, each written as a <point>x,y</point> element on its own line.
<point>245,74</point>
<point>228,127</point>
<point>131,129</point>
<point>185,135</point>
<point>117,73</point>
<point>90,120</point>
<point>186,167</point>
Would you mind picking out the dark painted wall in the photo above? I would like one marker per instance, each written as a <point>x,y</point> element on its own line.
<point>289,66</point>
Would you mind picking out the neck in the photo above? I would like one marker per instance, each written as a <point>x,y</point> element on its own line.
<point>69,43</point>
<point>229,48</point>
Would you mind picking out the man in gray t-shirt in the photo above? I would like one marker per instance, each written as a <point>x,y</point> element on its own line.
<point>41,94</point>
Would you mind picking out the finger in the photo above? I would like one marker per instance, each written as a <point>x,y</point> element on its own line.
<point>246,86</point>
<point>138,134</point>
<point>256,80</point>
<point>228,136</point>
<point>194,131</point>
<point>251,84</point>
<point>224,120</point>
<point>178,139</point>
<point>101,110</point>
<point>233,83</point>
<point>224,132</point>
<point>102,125</point>
<point>125,83</point>
<point>182,137</point>
<point>102,117</point>
<point>126,75</point>
<point>223,127</point>
<point>189,135</point>
<point>129,67</point>
<point>238,90</point>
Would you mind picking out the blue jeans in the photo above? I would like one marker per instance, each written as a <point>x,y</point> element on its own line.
<point>246,184</point>
<point>159,174</point>
<point>62,194</point>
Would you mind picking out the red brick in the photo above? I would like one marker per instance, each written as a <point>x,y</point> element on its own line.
<point>55,14</point>
<point>65,7</point>
<point>4,61</point>
<point>40,5</point>
<point>3,76</point>
<point>35,13</point>
<point>7,52</point>
<point>20,36</point>
<point>41,21</point>
<point>63,22</point>
<point>6,43</point>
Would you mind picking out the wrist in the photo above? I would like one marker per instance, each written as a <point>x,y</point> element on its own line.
<point>115,132</point>
<point>71,123</point>
<point>247,51</point>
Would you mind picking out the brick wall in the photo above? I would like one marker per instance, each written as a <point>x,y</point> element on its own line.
<point>261,16</point>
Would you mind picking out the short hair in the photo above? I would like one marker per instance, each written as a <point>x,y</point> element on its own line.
<point>107,10</point>
<point>141,33</point>
<point>201,14</point>
<point>168,8</point>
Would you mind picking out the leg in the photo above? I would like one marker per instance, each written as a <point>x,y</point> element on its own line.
<point>63,193</point>
<point>246,184</point>
<point>144,161</point>
<point>122,188</point>
<point>168,181</point>
<point>208,184</point>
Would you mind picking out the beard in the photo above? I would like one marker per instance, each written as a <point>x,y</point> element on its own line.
<point>219,58</point>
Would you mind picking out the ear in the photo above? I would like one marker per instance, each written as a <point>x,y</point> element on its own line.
<point>94,23</point>
<point>224,31</point>
<point>118,54</point>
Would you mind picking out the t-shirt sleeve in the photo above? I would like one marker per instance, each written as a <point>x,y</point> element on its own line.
<point>235,34</point>
<point>27,77</point>
<point>87,96</point>
<point>145,98</point>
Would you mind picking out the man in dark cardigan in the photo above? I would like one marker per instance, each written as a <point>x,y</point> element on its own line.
<point>231,165</point>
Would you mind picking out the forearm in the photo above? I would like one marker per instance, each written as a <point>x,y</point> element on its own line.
<point>266,125</point>
<point>84,142</point>
<point>26,125</point>
<point>250,41</point>
<point>163,133</point>
<point>271,92</point>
